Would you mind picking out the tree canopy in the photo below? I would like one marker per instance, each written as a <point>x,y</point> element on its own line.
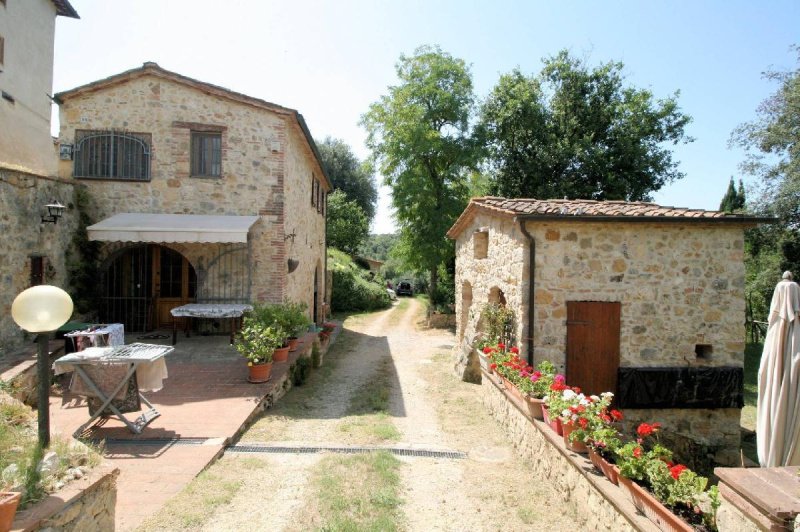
<point>772,146</point>
<point>420,138</point>
<point>772,155</point>
<point>349,175</point>
<point>579,132</point>
<point>347,225</point>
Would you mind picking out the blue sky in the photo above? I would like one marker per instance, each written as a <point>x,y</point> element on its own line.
<point>330,60</point>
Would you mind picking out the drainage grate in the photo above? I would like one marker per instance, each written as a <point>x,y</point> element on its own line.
<point>397,451</point>
<point>163,442</point>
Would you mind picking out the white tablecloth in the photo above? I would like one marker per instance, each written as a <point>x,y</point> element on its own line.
<point>151,369</point>
<point>210,310</point>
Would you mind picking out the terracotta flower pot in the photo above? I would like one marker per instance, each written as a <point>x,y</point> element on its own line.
<point>293,342</point>
<point>652,508</point>
<point>555,424</point>
<point>281,354</point>
<point>573,445</point>
<point>545,414</point>
<point>259,372</point>
<point>535,407</point>
<point>8,507</point>
<point>610,470</point>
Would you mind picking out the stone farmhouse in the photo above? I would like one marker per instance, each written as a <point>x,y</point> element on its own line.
<point>197,193</point>
<point>32,252</point>
<point>642,300</point>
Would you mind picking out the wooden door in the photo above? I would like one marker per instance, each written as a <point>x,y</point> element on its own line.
<point>173,283</point>
<point>593,336</point>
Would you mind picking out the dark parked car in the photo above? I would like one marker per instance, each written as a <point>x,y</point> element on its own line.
<point>404,289</point>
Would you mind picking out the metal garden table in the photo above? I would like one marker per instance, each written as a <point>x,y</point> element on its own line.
<point>231,311</point>
<point>135,357</point>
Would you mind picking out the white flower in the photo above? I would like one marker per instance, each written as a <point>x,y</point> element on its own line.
<point>569,394</point>
<point>594,398</point>
<point>566,413</point>
<point>606,395</point>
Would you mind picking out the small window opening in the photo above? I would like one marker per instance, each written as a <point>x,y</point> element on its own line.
<point>481,244</point>
<point>703,351</point>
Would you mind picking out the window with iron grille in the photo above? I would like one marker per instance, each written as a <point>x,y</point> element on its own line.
<point>314,185</point>
<point>206,154</point>
<point>112,155</point>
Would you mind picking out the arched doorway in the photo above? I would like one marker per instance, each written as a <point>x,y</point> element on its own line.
<point>141,284</point>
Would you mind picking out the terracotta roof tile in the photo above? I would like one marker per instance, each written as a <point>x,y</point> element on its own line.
<point>589,210</point>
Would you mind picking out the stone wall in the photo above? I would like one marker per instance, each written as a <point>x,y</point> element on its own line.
<point>306,223</point>
<point>257,177</point>
<point>478,280</point>
<point>598,504</point>
<point>23,197</point>
<point>85,504</point>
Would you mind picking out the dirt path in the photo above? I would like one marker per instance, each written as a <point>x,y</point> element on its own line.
<point>428,408</point>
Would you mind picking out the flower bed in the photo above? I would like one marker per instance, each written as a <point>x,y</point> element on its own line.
<point>589,421</point>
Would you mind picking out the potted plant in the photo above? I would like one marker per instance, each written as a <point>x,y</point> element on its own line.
<point>9,500</point>
<point>257,344</point>
<point>281,353</point>
<point>535,386</point>
<point>670,495</point>
<point>582,417</point>
<point>296,321</point>
<point>555,402</point>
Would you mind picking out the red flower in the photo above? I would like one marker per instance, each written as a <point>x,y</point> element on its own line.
<point>583,422</point>
<point>637,452</point>
<point>645,429</point>
<point>501,346</point>
<point>676,470</point>
<point>515,350</point>
<point>576,389</point>
<point>617,415</point>
<point>487,350</point>
<point>493,366</point>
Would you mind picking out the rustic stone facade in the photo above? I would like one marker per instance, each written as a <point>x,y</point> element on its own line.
<point>680,284</point>
<point>85,504</point>
<point>267,169</point>
<point>23,197</point>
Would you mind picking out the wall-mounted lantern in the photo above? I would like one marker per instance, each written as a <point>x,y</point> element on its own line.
<point>54,212</point>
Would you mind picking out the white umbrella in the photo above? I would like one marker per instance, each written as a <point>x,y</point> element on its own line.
<point>778,411</point>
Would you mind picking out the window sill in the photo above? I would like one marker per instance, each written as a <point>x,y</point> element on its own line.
<point>114,179</point>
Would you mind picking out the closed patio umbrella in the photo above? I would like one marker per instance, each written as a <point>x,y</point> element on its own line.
<point>778,411</point>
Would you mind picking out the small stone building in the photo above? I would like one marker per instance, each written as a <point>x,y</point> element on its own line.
<point>642,300</point>
<point>197,193</point>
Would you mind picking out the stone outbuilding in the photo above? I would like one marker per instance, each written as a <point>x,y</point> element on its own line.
<point>642,300</point>
<point>197,193</point>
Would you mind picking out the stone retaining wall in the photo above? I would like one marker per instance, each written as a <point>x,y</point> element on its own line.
<point>85,504</point>
<point>597,502</point>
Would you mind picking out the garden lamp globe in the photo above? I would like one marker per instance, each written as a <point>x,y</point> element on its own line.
<point>42,309</point>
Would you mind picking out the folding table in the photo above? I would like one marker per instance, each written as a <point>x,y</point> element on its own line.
<point>137,357</point>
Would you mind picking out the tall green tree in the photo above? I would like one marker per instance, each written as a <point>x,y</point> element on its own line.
<point>421,141</point>
<point>347,225</point>
<point>734,199</point>
<point>349,175</point>
<point>772,155</point>
<point>579,132</point>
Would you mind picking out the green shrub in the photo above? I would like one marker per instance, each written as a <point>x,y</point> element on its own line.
<point>353,289</point>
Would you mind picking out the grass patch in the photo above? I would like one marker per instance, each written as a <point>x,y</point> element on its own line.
<point>355,493</point>
<point>368,418</point>
<point>398,311</point>
<point>752,359</point>
<point>198,501</point>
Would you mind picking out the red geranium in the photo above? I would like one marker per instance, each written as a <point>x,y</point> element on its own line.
<point>617,415</point>
<point>644,430</point>
<point>515,350</point>
<point>676,470</point>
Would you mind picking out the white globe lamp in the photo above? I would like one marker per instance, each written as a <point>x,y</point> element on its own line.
<point>42,309</point>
